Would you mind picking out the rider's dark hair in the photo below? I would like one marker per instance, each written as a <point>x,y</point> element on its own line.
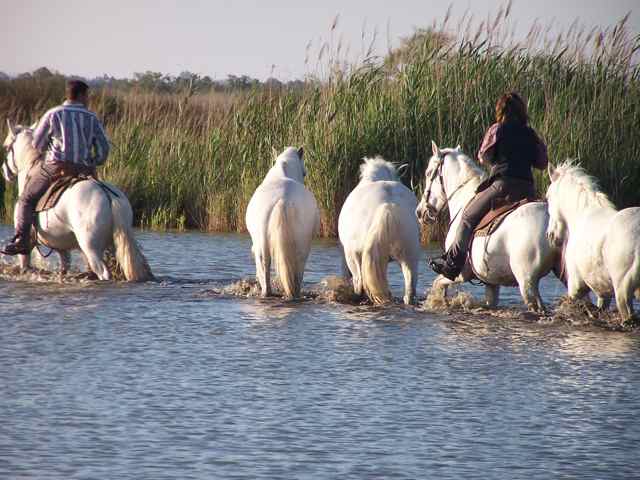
<point>511,108</point>
<point>75,89</point>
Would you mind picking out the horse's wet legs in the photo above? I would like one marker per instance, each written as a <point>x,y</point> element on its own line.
<point>25,262</point>
<point>603,302</point>
<point>492,295</point>
<point>263,272</point>
<point>624,290</point>
<point>65,261</point>
<point>410,282</point>
<point>531,295</point>
<point>440,286</point>
<point>97,265</point>
<point>93,254</point>
<point>353,262</point>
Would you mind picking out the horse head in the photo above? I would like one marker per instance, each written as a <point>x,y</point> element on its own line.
<point>433,199</point>
<point>9,166</point>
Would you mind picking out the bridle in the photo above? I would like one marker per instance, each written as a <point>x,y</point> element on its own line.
<point>427,195</point>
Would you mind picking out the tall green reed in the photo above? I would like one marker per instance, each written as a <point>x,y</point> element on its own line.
<point>193,160</point>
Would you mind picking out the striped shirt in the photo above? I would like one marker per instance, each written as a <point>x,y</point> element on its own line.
<point>70,133</point>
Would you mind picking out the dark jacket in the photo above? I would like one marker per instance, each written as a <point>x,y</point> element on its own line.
<point>512,150</point>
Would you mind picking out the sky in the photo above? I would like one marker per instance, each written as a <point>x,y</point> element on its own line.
<point>244,37</point>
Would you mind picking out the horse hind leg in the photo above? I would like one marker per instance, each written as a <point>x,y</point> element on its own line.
<point>410,273</point>
<point>93,249</point>
<point>491,295</point>
<point>65,261</point>
<point>624,290</point>
<point>531,295</point>
<point>263,271</point>
<point>353,261</point>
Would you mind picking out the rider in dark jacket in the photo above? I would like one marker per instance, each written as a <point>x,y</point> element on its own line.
<point>511,147</point>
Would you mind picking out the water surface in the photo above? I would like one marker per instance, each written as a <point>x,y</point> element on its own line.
<point>174,380</point>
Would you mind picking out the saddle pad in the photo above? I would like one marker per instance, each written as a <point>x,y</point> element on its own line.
<point>55,191</point>
<point>494,218</point>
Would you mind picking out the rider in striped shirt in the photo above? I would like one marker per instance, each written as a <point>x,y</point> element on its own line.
<point>73,142</point>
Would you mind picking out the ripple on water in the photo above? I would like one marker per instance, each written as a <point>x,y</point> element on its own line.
<point>195,376</point>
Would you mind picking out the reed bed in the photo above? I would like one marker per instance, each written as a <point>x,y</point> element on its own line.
<point>193,160</point>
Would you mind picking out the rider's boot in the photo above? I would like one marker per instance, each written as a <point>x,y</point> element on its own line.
<point>19,245</point>
<point>446,266</point>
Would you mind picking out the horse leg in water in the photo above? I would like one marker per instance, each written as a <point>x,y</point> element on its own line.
<point>409,271</point>
<point>263,270</point>
<point>528,284</point>
<point>65,261</point>
<point>25,262</point>
<point>354,260</point>
<point>440,286</point>
<point>92,245</point>
<point>603,302</point>
<point>624,288</point>
<point>491,295</point>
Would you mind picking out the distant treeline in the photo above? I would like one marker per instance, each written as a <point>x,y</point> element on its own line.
<point>190,154</point>
<point>156,82</point>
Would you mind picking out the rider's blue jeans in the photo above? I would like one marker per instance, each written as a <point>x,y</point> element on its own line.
<point>39,179</point>
<point>503,189</point>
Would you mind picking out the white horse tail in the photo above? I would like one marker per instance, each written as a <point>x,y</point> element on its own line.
<point>128,254</point>
<point>282,245</point>
<point>377,250</point>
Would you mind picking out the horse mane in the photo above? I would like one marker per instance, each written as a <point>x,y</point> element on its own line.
<point>376,169</point>
<point>469,168</point>
<point>581,185</point>
<point>31,154</point>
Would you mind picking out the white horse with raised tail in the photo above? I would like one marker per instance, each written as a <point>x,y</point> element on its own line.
<point>377,224</point>
<point>516,253</point>
<point>86,217</point>
<point>602,252</point>
<point>282,218</point>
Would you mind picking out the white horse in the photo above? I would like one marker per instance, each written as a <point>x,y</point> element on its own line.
<point>86,216</point>
<point>282,218</point>
<point>602,244</point>
<point>516,253</point>
<point>377,224</point>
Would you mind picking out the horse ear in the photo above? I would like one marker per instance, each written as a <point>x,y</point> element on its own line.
<point>402,168</point>
<point>459,148</point>
<point>435,149</point>
<point>12,128</point>
<point>274,152</point>
<point>553,172</point>
<point>300,152</point>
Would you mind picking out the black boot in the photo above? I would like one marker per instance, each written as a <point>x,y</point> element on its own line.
<point>445,266</point>
<point>19,245</point>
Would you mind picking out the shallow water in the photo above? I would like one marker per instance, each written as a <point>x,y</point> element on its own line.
<point>175,379</point>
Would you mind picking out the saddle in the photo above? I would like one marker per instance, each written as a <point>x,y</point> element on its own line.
<point>55,191</point>
<point>496,216</point>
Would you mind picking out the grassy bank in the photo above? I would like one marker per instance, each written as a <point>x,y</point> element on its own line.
<point>193,160</point>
